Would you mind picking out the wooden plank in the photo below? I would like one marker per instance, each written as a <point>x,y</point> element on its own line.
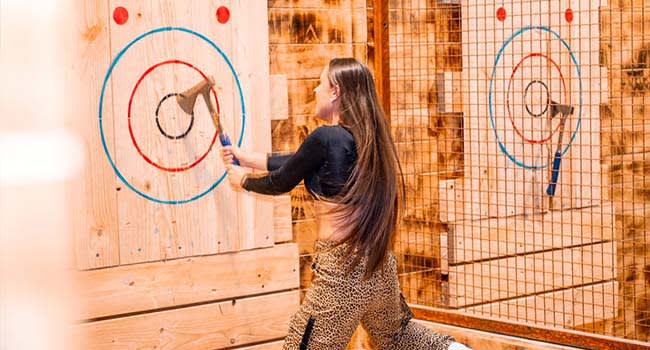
<point>417,157</point>
<point>359,25</point>
<point>448,37</point>
<point>318,4</point>
<point>410,124</point>
<point>418,238</point>
<point>412,24</point>
<point>302,99</point>
<point>450,97</point>
<point>448,128</point>
<point>303,61</point>
<point>305,233</point>
<point>251,52</point>
<point>279,97</point>
<point>567,308</point>
<point>276,345</point>
<point>628,181</point>
<point>310,26</point>
<point>618,140</point>
<point>143,287</point>
<point>476,339</point>
<point>522,234</point>
<point>96,231</point>
<point>151,231</point>
<point>211,326</point>
<point>534,273</point>
<point>413,60</point>
<point>282,219</point>
<point>451,200</point>
<point>624,33</point>
<point>475,195</point>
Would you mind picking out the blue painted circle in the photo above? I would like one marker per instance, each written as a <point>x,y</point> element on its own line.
<point>101,104</point>
<point>502,147</point>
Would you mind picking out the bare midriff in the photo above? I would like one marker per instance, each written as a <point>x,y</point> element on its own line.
<point>329,228</point>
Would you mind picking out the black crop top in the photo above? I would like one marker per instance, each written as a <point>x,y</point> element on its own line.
<point>324,160</point>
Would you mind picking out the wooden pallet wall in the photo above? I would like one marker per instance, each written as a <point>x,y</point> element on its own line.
<point>625,130</point>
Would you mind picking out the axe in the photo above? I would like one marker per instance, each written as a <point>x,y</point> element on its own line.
<point>187,99</point>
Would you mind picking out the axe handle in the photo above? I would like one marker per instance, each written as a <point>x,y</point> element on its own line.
<point>557,159</point>
<point>225,141</point>
<point>555,173</point>
<point>223,137</point>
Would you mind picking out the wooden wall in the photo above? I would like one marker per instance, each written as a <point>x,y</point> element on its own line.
<point>191,275</point>
<point>626,164</point>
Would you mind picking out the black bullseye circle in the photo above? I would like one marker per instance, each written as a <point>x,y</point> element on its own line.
<point>162,131</point>
<point>548,98</point>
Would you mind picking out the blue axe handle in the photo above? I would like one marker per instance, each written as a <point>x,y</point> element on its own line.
<point>225,141</point>
<point>555,173</point>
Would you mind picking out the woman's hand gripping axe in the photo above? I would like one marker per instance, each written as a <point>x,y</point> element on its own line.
<point>187,99</point>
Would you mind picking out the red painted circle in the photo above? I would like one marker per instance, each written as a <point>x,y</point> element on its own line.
<point>512,121</point>
<point>135,143</point>
<point>120,15</point>
<point>568,15</point>
<point>501,14</point>
<point>223,14</point>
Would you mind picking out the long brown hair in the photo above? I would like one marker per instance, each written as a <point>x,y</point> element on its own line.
<point>370,199</point>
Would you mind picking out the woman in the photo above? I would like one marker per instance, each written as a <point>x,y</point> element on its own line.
<point>351,168</point>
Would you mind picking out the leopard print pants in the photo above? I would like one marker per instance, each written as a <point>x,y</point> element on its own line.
<point>337,301</point>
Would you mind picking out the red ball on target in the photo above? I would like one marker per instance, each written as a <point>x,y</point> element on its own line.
<point>568,15</point>
<point>223,14</point>
<point>501,14</point>
<point>120,15</point>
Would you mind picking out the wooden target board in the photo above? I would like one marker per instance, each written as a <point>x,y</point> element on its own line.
<point>171,193</point>
<point>523,66</point>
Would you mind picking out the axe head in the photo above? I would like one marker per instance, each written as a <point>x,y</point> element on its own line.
<point>187,99</point>
<point>557,108</point>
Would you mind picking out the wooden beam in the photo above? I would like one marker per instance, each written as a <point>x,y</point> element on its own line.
<point>282,219</point>
<point>539,333</point>
<point>381,52</point>
<point>211,326</point>
<point>279,97</point>
<point>142,287</point>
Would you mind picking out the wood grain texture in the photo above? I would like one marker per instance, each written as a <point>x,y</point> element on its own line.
<point>528,274</point>
<point>150,286</point>
<point>151,231</point>
<point>96,231</point>
<point>569,308</point>
<point>491,238</point>
<point>209,326</point>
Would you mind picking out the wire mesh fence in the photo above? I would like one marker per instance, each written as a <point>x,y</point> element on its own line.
<point>522,133</point>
